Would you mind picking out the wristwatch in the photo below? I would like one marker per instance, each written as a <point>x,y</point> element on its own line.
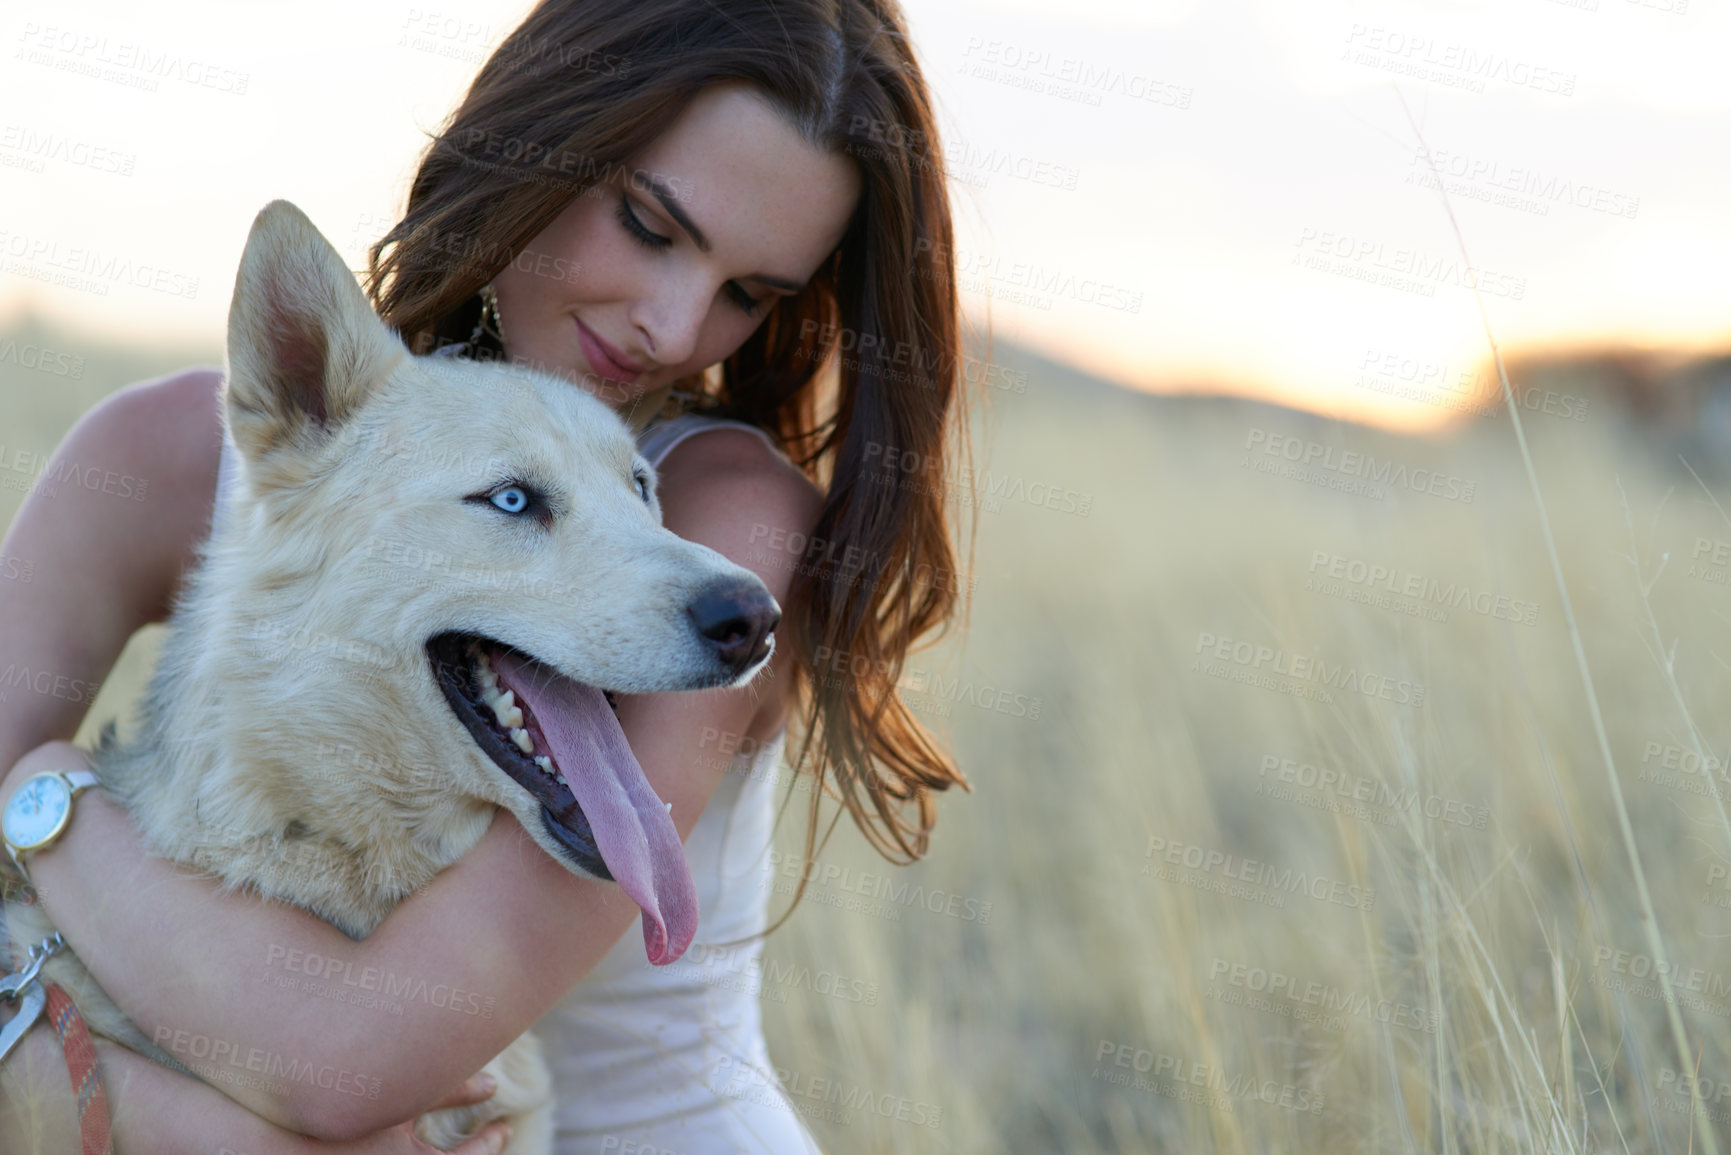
<point>38,811</point>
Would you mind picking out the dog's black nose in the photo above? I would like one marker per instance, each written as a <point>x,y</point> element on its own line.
<point>737,619</point>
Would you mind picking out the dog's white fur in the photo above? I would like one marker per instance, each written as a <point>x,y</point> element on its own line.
<point>293,739</point>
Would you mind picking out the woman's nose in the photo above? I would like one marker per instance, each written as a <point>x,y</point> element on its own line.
<point>671,320</point>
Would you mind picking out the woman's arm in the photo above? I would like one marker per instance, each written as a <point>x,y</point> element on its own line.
<point>506,923</point>
<point>219,980</point>
<point>155,1111</point>
<point>100,564</point>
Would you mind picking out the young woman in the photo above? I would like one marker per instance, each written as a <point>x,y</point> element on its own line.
<point>676,205</point>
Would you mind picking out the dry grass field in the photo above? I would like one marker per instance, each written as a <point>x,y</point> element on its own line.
<point>1312,846</point>
<point>1292,828</point>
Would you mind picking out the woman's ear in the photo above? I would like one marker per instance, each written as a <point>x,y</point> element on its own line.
<point>304,346</point>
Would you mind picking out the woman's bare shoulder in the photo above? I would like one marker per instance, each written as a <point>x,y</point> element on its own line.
<point>728,490</point>
<point>173,422</point>
<point>159,444</point>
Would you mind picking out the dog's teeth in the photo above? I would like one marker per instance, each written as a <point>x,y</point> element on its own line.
<point>513,717</point>
<point>524,742</point>
<point>545,763</point>
<point>502,705</point>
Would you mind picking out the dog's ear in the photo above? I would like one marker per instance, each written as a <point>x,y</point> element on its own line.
<point>304,346</point>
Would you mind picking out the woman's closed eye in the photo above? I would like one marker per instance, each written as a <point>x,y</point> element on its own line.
<point>650,240</point>
<point>656,243</point>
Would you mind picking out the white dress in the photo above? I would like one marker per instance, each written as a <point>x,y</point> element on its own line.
<point>672,1059</point>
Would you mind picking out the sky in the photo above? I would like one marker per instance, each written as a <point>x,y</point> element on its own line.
<point>1232,196</point>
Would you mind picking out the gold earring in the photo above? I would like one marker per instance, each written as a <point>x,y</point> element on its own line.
<point>490,311</point>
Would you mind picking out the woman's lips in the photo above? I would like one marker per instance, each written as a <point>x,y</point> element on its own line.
<point>604,359</point>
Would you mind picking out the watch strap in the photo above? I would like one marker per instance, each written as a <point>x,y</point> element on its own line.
<point>81,780</point>
<point>17,859</point>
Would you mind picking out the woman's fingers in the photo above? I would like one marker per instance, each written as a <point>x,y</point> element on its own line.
<point>476,1088</point>
<point>489,1140</point>
<point>401,1140</point>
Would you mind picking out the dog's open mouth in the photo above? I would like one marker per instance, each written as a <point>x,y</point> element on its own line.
<point>560,740</point>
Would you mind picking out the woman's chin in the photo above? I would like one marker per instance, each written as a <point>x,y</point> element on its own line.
<point>614,393</point>
<point>617,394</point>
<point>574,367</point>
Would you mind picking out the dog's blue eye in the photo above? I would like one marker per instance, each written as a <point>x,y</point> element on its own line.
<point>642,481</point>
<point>511,499</point>
<point>520,500</point>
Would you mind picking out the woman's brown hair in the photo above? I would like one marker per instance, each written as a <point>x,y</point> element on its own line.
<point>557,111</point>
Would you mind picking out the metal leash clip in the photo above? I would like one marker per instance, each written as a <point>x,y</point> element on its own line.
<point>23,989</point>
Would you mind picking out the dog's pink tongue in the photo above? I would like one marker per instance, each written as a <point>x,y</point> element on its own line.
<point>632,828</point>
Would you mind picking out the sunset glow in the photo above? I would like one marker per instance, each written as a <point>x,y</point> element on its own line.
<point>1174,196</point>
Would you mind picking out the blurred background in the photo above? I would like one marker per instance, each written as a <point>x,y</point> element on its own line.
<point>1348,742</point>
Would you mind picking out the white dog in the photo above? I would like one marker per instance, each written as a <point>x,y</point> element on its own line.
<point>430,576</point>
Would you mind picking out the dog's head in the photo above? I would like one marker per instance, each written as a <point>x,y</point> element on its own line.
<point>489,539</point>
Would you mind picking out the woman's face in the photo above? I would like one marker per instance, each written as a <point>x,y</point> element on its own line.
<point>651,277</point>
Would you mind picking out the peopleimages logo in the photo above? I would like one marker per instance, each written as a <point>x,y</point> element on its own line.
<point>924,687</point>
<point>36,148</point>
<point>1225,1088</point>
<point>1694,988</point>
<point>1252,872</point>
<point>1368,580</point>
<point>220,1060</point>
<point>1354,788</point>
<point>42,359</point>
<point>135,65</point>
<point>387,984</point>
<point>1453,65</point>
<point>1265,451</point>
<point>1067,77</point>
<point>1303,668</point>
<point>1458,170</point>
<point>881,887</point>
<point>769,978</point>
<point>1398,266</point>
<point>802,1089</point>
<point>89,270</point>
<point>47,683</point>
<point>1287,996</point>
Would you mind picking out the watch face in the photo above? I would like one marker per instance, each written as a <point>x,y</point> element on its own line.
<point>37,809</point>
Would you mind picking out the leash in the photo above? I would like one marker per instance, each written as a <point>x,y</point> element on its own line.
<point>95,1128</point>
<point>95,1125</point>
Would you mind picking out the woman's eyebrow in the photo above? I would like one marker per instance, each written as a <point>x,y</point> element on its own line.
<point>670,202</point>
